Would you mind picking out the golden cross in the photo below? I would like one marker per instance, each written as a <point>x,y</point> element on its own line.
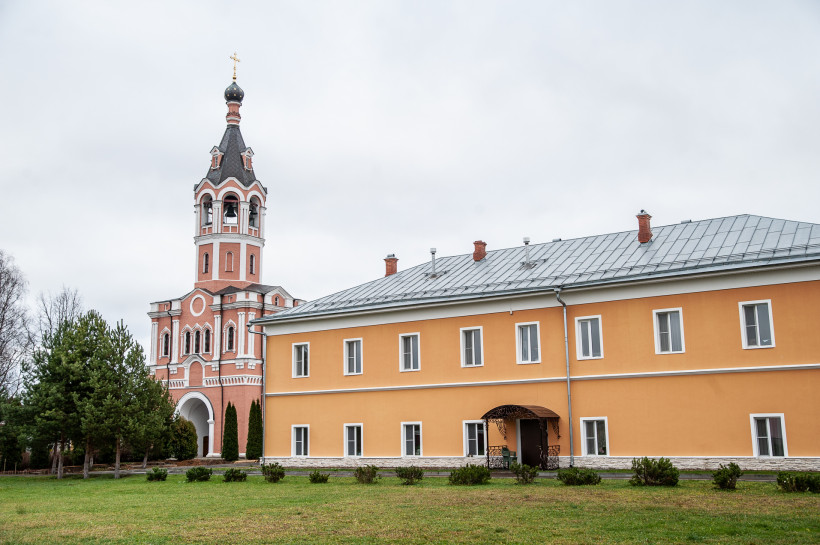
<point>235,60</point>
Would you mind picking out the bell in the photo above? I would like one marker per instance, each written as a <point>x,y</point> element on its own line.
<point>231,213</point>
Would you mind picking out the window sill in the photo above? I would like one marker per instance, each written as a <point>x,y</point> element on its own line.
<point>757,347</point>
<point>409,370</point>
<point>528,362</point>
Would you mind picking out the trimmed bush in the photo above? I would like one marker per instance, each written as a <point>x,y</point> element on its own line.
<point>198,473</point>
<point>230,435</point>
<point>409,474</point>
<point>790,481</point>
<point>726,476</point>
<point>524,474</point>
<point>317,478</point>
<point>470,474</point>
<point>649,472</point>
<point>574,476</point>
<point>253,449</point>
<point>273,473</point>
<point>234,475</point>
<point>157,474</point>
<point>367,474</point>
<point>183,442</point>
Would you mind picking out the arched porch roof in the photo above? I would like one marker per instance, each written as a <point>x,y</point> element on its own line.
<point>518,411</point>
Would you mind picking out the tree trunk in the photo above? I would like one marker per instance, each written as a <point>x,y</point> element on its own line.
<point>87,458</point>
<point>60,459</point>
<point>145,458</point>
<point>55,453</point>
<point>117,460</point>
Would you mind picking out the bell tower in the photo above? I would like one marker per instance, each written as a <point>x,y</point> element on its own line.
<point>230,209</point>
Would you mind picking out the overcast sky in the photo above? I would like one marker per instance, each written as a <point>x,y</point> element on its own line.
<point>391,127</point>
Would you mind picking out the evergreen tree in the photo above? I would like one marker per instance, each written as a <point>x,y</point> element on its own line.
<point>230,437</point>
<point>253,450</point>
<point>183,441</point>
<point>155,411</point>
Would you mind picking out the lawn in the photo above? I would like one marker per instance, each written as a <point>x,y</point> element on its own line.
<point>132,510</point>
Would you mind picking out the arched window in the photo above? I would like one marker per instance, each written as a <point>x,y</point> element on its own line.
<point>253,264</point>
<point>229,340</point>
<point>187,343</point>
<point>196,342</point>
<point>229,262</point>
<point>253,214</point>
<point>231,213</point>
<point>205,263</point>
<point>166,345</point>
<point>207,210</point>
<point>276,300</point>
<point>206,344</point>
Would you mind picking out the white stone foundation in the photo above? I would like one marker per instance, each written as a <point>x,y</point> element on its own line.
<point>420,461</point>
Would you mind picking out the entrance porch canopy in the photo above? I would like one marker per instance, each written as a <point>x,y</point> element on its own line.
<point>499,455</point>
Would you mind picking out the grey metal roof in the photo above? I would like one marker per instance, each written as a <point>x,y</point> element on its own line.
<point>697,247</point>
<point>232,146</point>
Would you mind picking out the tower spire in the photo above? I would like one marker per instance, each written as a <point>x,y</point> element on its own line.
<point>235,60</point>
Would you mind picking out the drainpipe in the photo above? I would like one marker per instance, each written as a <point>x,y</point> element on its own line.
<point>569,391</point>
<point>264,360</point>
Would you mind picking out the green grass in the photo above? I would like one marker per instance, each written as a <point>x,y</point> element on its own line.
<point>132,510</point>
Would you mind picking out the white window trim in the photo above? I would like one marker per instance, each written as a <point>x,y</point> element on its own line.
<point>518,343</point>
<point>344,439</point>
<point>293,440</point>
<point>655,313</point>
<point>401,361</point>
<point>743,323</point>
<point>584,435</point>
<point>755,448</point>
<point>344,355</point>
<point>579,354</point>
<point>481,338</point>
<point>421,440</point>
<point>293,360</point>
<point>465,437</point>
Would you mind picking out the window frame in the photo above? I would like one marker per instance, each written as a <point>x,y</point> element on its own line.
<point>402,336</point>
<point>462,332</point>
<point>583,421</point>
<point>165,343</point>
<point>518,358</point>
<point>466,436</point>
<point>186,342</point>
<point>421,440</point>
<point>579,354</point>
<point>206,263</point>
<point>307,363</point>
<point>293,429</point>
<point>755,448</point>
<point>252,263</point>
<point>361,440</point>
<point>345,369</point>
<point>657,332</point>
<point>743,339</point>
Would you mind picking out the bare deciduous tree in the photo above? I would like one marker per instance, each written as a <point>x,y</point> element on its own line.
<point>54,309</point>
<point>14,332</point>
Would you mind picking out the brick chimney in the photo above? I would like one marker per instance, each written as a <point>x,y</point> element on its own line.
<point>480,250</point>
<point>644,229</point>
<point>391,264</point>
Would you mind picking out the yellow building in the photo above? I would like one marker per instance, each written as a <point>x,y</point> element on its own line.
<point>698,343</point>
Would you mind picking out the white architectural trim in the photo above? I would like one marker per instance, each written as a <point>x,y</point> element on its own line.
<point>203,398</point>
<point>197,297</point>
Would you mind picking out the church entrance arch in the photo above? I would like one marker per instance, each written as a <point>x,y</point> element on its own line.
<point>197,408</point>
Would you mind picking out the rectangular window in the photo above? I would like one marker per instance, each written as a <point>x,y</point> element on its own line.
<point>588,337</point>
<point>769,435</point>
<point>596,439</point>
<point>471,347</point>
<point>409,351</point>
<point>756,324</point>
<point>528,343</point>
<point>353,356</point>
<point>300,440</point>
<point>668,331</point>
<point>353,439</point>
<point>475,443</point>
<point>411,438</point>
<point>301,360</point>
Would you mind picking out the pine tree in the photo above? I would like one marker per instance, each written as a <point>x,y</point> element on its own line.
<point>253,450</point>
<point>230,437</point>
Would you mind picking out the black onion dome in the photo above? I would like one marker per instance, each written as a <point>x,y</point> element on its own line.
<point>234,93</point>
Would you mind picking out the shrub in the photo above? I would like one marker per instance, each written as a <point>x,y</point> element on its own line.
<point>316,477</point>
<point>726,476</point>
<point>574,476</point>
<point>234,475</point>
<point>198,473</point>
<point>273,473</point>
<point>183,442</point>
<point>157,474</point>
<point>649,472</point>
<point>791,481</point>
<point>470,474</point>
<point>367,474</point>
<point>524,474</point>
<point>230,435</point>
<point>253,449</point>
<point>409,474</point>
